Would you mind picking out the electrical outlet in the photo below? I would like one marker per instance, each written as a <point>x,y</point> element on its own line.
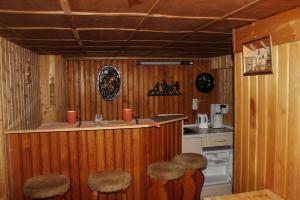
<point>195,104</point>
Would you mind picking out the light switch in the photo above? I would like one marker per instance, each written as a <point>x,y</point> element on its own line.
<point>195,104</point>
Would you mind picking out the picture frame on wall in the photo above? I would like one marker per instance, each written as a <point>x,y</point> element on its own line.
<point>257,56</point>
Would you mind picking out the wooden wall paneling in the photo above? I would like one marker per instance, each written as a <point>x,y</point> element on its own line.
<point>3,165</point>
<point>93,88</point>
<point>92,149</point>
<point>261,133</point>
<point>54,152</point>
<point>26,157</point>
<point>64,156</point>
<point>83,164</point>
<point>20,112</point>
<point>272,117</point>
<point>137,165</point>
<point>253,133</point>
<point>245,140</point>
<point>151,83</point>
<point>282,120</point>
<point>136,81</point>
<point>267,137</point>
<point>128,158</point>
<point>45,153</point>
<point>237,175</point>
<point>16,168</point>
<point>292,191</point>
<point>74,168</point>
<point>82,90</point>
<point>77,88</point>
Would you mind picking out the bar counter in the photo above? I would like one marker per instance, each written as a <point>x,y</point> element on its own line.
<point>78,151</point>
<point>104,125</point>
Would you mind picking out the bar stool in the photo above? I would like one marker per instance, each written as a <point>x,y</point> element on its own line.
<point>160,173</point>
<point>109,181</point>
<point>46,186</point>
<point>194,164</point>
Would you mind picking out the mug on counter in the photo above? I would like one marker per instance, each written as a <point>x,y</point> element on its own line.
<point>71,116</point>
<point>128,114</point>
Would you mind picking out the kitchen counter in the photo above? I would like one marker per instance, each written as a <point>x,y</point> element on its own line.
<point>194,131</point>
<point>255,195</point>
<point>105,125</point>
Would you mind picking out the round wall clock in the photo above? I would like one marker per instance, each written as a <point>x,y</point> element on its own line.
<point>205,82</point>
<point>109,82</point>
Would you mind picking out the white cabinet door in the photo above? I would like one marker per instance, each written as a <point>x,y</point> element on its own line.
<point>192,145</point>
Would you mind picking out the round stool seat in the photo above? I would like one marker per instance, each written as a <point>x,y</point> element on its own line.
<point>109,181</point>
<point>165,170</point>
<point>191,160</point>
<point>46,186</point>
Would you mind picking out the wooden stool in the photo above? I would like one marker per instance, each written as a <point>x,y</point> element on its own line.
<point>46,186</point>
<point>109,181</point>
<point>193,164</point>
<point>161,173</point>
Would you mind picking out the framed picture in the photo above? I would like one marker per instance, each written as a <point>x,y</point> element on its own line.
<point>257,57</point>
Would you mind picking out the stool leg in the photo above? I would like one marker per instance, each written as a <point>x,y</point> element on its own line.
<point>199,183</point>
<point>189,185</point>
<point>157,190</point>
<point>95,195</point>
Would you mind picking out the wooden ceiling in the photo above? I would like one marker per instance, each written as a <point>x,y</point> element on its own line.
<point>151,28</point>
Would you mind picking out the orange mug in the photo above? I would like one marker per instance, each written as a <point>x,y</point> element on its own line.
<point>71,116</point>
<point>128,114</point>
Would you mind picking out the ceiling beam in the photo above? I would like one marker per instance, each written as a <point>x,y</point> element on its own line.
<point>101,14</point>
<point>67,11</point>
<point>153,9</point>
<point>106,29</point>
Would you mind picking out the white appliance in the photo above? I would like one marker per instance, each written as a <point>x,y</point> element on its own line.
<point>219,165</point>
<point>216,115</point>
<point>202,120</point>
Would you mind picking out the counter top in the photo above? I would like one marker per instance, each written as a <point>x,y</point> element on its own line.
<point>194,131</point>
<point>255,195</point>
<point>104,125</point>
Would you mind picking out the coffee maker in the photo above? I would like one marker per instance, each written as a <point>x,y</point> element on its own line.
<point>216,115</point>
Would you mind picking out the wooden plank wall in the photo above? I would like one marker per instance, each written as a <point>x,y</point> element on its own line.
<point>19,102</point>
<point>267,112</point>
<point>267,131</point>
<point>81,92</point>
<point>77,154</point>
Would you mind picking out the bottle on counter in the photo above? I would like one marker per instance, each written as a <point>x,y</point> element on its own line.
<point>98,119</point>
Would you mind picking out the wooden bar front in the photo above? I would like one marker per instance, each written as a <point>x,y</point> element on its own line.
<point>78,153</point>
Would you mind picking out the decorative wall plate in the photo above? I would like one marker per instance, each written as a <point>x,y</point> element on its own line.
<point>205,82</point>
<point>109,82</point>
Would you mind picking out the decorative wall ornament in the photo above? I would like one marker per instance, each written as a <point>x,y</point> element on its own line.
<point>52,92</point>
<point>205,82</point>
<point>165,89</point>
<point>109,82</point>
<point>257,57</point>
<point>27,74</point>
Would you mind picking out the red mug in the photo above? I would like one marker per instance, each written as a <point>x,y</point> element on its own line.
<point>128,114</point>
<point>71,116</point>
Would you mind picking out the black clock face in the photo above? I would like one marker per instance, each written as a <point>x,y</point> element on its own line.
<point>205,82</point>
<point>109,82</point>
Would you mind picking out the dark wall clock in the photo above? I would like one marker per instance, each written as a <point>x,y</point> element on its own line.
<point>109,82</point>
<point>205,82</point>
